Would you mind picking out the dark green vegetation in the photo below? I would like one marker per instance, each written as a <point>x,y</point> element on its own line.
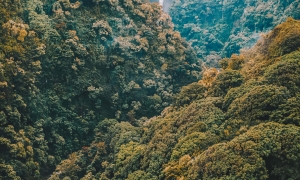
<point>67,65</point>
<point>218,28</point>
<point>240,122</point>
<point>81,85</point>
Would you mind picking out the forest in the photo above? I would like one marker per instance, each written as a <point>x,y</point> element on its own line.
<point>121,90</point>
<point>217,29</point>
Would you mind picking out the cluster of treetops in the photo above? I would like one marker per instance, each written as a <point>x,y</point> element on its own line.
<point>218,28</point>
<point>80,102</point>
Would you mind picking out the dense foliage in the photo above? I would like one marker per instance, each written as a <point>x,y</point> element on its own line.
<point>218,28</point>
<point>67,65</point>
<point>239,122</point>
<point>82,85</point>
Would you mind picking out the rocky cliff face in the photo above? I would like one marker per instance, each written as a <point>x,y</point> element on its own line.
<point>219,28</point>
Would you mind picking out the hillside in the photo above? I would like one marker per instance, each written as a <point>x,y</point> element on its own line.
<point>241,122</point>
<point>218,29</point>
<point>67,65</point>
<point>107,89</point>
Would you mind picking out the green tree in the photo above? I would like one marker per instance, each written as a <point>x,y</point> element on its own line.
<point>189,94</point>
<point>285,72</point>
<point>265,151</point>
<point>258,103</point>
<point>225,80</point>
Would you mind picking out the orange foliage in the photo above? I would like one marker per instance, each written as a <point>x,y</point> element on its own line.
<point>61,26</point>
<point>209,76</point>
<point>236,62</point>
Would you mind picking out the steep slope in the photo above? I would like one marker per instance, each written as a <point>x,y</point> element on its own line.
<point>218,29</point>
<point>20,50</point>
<point>67,65</point>
<point>241,122</point>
